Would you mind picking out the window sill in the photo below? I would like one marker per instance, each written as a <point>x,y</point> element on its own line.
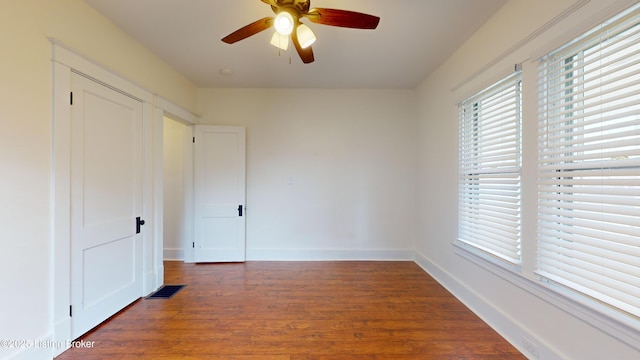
<point>622,327</point>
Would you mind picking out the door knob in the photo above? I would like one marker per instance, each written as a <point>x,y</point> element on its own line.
<point>139,222</point>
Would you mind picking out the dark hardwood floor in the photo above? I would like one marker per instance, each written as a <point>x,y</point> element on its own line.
<point>295,311</point>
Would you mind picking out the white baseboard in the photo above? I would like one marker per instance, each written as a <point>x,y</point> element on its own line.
<point>62,334</point>
<point>172,254</point>
<point>498,320</point>
<point>327,255</point>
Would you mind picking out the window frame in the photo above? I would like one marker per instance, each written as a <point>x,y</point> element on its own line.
<point>584,238</point>
<point>486,170</point>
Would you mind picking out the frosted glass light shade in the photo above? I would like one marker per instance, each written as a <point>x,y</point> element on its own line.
<point>284,23</point>
<point>280,41</point>
<point>306,37</point>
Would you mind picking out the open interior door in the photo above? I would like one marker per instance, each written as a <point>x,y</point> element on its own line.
<point>219,231</point>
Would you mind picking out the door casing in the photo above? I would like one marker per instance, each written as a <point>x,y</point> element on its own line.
<point>65,61</point>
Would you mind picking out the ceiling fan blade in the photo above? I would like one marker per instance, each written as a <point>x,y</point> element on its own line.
<point>305,54</point>
<point>343,18</point>
<point>249,30</point>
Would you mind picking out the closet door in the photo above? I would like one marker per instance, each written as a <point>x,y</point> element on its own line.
<point>106,203</point>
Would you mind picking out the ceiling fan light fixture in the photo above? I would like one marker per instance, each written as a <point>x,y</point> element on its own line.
<point>306,37</point>
<point>280,41</point>
<point>287,20</point>
<point>284,23</point>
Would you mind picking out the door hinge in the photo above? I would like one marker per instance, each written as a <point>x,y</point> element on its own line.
<point>194,139</point>
<point>239,210</point>
<point>193,244</point>
<point>70,310</point>
<point>71,98</point>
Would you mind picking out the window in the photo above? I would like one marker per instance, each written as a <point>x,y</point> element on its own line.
<point>489,165</point>
<point>589,164</point>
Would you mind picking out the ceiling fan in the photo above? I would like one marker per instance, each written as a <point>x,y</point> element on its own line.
<point>288,25</point>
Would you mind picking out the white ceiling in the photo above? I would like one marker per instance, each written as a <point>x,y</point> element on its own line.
<point>414,37</point>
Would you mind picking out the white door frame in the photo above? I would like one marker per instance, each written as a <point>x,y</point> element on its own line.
<point>64,62</point>
<point>178,114</point>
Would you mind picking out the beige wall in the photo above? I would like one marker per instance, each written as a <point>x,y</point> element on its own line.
<point>25,141</point>
<point>330,173</point>
<point>174,222</point>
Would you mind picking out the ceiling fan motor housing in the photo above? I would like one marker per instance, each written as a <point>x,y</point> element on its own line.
<point>299,6</point>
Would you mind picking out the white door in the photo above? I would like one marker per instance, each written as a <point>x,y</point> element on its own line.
<point>106,199</point>
<point>219,194</point>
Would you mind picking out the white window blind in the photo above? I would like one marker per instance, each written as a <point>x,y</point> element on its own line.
<point>589,164</point>
<point>489,170</point>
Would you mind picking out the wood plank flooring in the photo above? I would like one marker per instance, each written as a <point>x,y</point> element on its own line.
<point>295,311</point>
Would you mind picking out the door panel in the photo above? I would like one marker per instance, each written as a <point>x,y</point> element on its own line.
<point>106,198</point>
<point>100,284</point>
<point>219,192</point>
